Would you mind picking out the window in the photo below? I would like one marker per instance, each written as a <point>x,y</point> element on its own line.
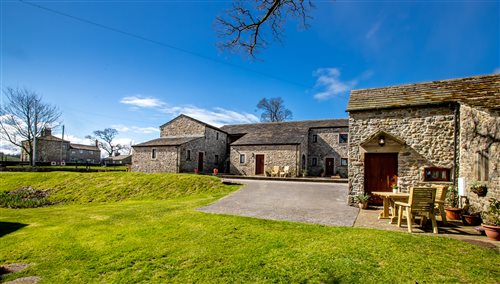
<point>482,166</point>
<point>314,162</point>
<point>81,151</point>
<point>153,153</point>
<point>343,138</point>
<point>188,155</point>
<point>315,138</point>
<point>343,161</point>
<point>242,158</point>
<point>437,174</point>
<point>216,159</point>
<point>217,136</point>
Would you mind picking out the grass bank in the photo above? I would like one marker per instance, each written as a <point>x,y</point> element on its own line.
<point>155,237</point>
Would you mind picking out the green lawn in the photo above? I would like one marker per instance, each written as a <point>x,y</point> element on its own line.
<point>153,234</point>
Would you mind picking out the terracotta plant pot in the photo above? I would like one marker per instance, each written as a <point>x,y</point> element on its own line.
<point>453,213</point>
<point>492,232</point>
<point>471,220</point>
<point>363,205</point>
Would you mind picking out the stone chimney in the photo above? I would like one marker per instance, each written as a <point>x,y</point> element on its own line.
<point>46,132</point>
<point>117,154</point>
<point>96,143</point>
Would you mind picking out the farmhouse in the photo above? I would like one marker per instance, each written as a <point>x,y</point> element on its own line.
<point>53,149</point>
<point>426,133</point>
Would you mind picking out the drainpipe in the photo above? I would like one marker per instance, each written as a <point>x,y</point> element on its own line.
<point>455,143</point>
<point>296,160</point>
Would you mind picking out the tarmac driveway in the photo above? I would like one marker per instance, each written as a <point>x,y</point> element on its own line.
<point>308,202</point>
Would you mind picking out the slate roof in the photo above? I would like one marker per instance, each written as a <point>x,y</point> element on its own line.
<point>278,133</point>
<point>478,91</point>
<point>167,141</point>
<point>84,147</point>
<point>117,158</point>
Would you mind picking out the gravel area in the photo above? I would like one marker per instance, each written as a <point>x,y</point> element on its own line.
<point>317,203</point>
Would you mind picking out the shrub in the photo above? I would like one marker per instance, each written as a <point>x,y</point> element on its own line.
<point>24,197</point>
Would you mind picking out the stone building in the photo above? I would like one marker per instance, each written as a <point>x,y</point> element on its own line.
<point>426,133</point>
<point>315,147</point>
<point>185,145</point>
<point>53,149</point>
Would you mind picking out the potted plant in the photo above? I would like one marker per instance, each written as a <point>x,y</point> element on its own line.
<point>216,171</point>
<point>362,200</point>
<point>478,188</point>
<point>471,216</point>
<point>394,189</point>
<point>453,212</point>
<point>491,220</point>
<point>304,173</point>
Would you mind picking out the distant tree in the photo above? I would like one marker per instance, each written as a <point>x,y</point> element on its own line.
<point>105,140</point>
<point>23,116</point>
<point>274,110</point>
<point>247,24</point>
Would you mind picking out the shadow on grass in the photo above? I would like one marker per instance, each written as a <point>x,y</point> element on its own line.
<point>9,227</point>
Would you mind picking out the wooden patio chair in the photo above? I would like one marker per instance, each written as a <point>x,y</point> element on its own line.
<point>439,203</point>
<point>420,203</point>
<point>275,171</point>
<point>285,172</point>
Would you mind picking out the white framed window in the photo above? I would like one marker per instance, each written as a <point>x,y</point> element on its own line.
<point>242,158</point>
<point>343,161</point>
<point>81,151</point>
<point>153,153</point>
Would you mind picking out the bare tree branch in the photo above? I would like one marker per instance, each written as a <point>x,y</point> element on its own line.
<point>105,140</point>
<point>24,116</point>
<point>274,110</point>
<point>245,27</point>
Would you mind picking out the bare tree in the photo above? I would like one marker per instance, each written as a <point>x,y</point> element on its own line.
<point>247,24</point>
<point>274,110</point>
<point>105,140</point>
<point>23,116</point>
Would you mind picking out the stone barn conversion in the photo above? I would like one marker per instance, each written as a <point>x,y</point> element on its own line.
<point>185,145</point>
<point>426,133</point>
<point>313,147</point>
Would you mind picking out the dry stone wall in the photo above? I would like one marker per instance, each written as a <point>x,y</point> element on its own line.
<point>480,133</point>
<point>428,133</point>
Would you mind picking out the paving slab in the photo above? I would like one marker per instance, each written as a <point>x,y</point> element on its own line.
<point>317,203</point>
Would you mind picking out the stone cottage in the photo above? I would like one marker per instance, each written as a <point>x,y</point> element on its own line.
<point>53,149</point>
<point>314,147</point>
<point>426,133</point>
<point>185,145</point>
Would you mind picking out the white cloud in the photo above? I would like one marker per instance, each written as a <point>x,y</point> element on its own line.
<point>330,84</point>
<point>136,129</point>
<point>217,116</point>
<point>9,149</point>
<point>73,139</point>
<point>373,29</point>
<point>139,101</point>
<point>496,71</point>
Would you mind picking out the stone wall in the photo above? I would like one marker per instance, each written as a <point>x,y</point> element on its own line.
<point>166,160</point>
<point>182,126</point>
<point>274,155</point>
<point>428,134</point>
<point>210,145</point>
<point>327,146</point>
<point>82,156</point>
<point>480,133</point>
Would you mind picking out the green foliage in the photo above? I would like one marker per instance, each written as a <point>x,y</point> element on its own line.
<point>452,196</point>
<point>362,198</point>
<point>492,215</point>
<point>26,197</point>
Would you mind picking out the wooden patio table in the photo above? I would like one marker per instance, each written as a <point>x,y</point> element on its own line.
<point>389,198</point>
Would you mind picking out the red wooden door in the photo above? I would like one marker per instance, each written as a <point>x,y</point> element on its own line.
<point>259,164</point>
<point>200,162</point>
<point>329,168</point>
<point>380,169</point>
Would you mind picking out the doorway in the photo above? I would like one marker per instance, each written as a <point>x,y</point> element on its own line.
<point>381,170</point>
<point>259,164</point>
<point>329,167</point>
<point>200,162</point>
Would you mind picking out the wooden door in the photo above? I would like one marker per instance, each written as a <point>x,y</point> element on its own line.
<point>200,162</point>
<point>329,168</point>
<point>259,164</point>
<point>380,170</point>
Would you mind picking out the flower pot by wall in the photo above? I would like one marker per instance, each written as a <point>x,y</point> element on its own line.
<point>363,205</point>
<point>453,213</point>
<point>471,220</point>
<point>492,232</point>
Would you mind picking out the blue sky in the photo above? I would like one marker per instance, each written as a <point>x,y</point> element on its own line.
<point>99,78</point>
